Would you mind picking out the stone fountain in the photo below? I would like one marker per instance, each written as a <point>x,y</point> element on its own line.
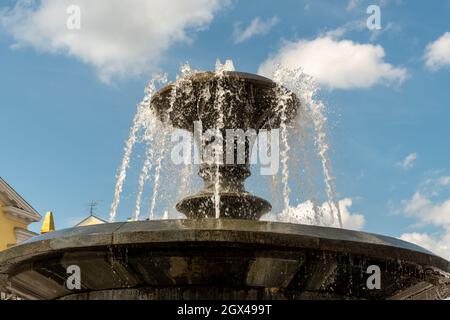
<point>222,251</point>
<point>247,101</point>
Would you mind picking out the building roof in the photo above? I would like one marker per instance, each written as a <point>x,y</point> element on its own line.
<point>23,234</point>
<point>91,220</point>
<point>15,206</point>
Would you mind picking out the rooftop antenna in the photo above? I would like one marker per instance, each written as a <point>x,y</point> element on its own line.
<point>92,205</point>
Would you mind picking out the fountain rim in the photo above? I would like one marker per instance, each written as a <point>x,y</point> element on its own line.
<point>207,75</point>
<point>198,231</point>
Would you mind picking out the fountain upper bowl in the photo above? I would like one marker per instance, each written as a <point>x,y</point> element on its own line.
<point>241,100</point>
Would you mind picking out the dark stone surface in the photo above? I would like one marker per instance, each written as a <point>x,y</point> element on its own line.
<point>221,259</point>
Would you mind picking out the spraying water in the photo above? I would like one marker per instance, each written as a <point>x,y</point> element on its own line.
<point>143,177</point>
<point>156,183</point>
<point>143,113</point>
<point>316,109</point>
<point>283,96</point>
<point>218,106</point>
<point>306,90</point>
<point>161,146</point>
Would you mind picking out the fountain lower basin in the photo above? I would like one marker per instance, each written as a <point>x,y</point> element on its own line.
<point>220,259</point>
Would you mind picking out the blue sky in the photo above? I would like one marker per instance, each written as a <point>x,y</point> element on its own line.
<point>67,103</point>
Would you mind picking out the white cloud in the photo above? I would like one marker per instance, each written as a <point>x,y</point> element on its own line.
<point>304,213</point>
<point>429,212</point>
<point>341,64</point>
<point>439,245</point>
<point>408,162</point>
<point>119,38</point>
<point>416,204</point>
<point>256,27</point>
<point>437,53</point>
<point>353,221</point>
<point>439,214</point>
<point>434,213</point>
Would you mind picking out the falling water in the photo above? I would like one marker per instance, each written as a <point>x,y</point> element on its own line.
<point>163,132</point>
<point>316,108</point>
<point>306,90</point>
<point>310,186</point>
<point>143,109</point>
<point>161,146</point>
<point>186,180</point>
<point>150,136</point>
<point>283,98</point>
<point>156,182</point>
<point>143,177</point>
<point>188,170</point>
<point>218,106</point>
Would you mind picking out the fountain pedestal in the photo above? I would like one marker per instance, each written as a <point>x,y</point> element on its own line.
<point>234,201</point>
